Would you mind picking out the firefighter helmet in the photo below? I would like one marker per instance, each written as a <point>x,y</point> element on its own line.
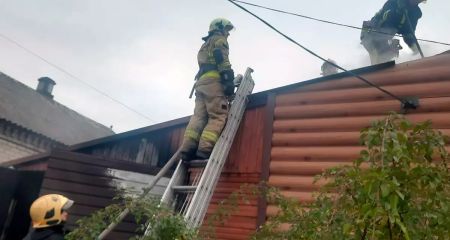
<point>47,210</point>
<point>220,24</point>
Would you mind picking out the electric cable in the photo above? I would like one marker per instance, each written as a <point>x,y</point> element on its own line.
<point>331,22</point>
<point>73,76</point>
<point>405,103</point>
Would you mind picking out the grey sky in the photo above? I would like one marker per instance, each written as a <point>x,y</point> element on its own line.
<point>143,52</point>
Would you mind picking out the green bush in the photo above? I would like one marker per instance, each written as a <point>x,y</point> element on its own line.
<point>398,188</point>
<point>164,223</point>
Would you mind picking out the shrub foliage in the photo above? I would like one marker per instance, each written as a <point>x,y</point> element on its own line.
<point>398,188</point>
<point>164,224</point>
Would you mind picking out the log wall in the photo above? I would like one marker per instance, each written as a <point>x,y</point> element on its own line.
<point>243,166</point>
<point>316,126</point>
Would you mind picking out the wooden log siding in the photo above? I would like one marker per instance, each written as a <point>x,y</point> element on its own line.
<point>242,167</point>
<point>317,126</point>
<point>153,148</point>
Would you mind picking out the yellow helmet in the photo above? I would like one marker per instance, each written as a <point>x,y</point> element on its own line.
<point>220,24</point>
<point>46,210</point>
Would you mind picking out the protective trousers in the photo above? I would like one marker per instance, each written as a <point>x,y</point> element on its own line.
<point>377,44</point>
<point>208,121</point>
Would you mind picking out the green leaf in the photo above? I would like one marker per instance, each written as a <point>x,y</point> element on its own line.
<point>393,200</point>
<point>346,228</point>
<point>385,190</point>
<point>403,228</point>
<point>400,194</point>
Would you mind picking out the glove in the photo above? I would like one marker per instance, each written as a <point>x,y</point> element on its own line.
<point>228,88</point>
<point>227,77</point>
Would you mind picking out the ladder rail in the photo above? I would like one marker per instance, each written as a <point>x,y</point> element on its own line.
<point>198,207</point>
<point>147,190</point>
<point>195,205</point>
<point>176,179</point>
<point>195,217</point>
<point>217,170</point>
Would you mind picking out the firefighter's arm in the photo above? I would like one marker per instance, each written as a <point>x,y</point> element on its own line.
<point>387,12</point>
<point>408,36</point>
<point>409,39</point>
<point>220,52</point>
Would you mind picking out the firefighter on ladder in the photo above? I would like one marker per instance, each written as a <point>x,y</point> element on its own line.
<point>396,16</point>
<point>214,84</point>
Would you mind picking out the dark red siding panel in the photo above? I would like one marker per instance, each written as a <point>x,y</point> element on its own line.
<point>246,152</point>
<point>243,166</point>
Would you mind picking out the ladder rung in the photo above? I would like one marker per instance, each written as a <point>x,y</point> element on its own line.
<point>184,188</point>
<point>196,163</point>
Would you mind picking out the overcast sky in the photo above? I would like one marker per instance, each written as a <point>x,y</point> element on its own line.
<point>143,52</point>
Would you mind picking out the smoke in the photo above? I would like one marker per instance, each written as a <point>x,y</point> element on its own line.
<point>428,49</point>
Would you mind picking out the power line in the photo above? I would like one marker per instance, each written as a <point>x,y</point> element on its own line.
<point>405,103</point>
<point>73,76</point>
<point>331,22</point>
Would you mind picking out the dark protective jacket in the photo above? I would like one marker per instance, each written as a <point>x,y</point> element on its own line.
<point>395,14</point>
<point>49,233</point>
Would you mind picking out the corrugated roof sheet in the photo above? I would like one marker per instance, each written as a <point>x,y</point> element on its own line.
<point>26,107</point>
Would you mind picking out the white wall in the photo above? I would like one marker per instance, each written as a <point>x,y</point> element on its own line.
<point>12,149</point>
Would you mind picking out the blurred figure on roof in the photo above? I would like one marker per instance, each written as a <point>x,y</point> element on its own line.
<point>214,84</point>
<point>48,215</point>
<point>396,17</point>
<point>328,68</point>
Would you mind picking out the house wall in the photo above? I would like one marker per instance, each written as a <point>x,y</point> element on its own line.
<point>243,166</point>
<point>153,148</point>
<point>19,189</point>
<point>92,183</point>
<point>18,142</point>
<point>10,149</point>
<point>317,126</point>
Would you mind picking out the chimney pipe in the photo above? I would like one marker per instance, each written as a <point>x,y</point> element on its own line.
<point>45,87</point>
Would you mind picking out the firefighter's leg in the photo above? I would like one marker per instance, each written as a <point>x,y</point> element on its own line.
<point>194,128</point>
<point>374,57</point>
<point>367,42</point>
<point>382,45</point>
<point>217,108</point>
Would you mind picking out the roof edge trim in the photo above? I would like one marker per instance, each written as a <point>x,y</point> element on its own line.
<point>333,77</point>
<point>152,128</point>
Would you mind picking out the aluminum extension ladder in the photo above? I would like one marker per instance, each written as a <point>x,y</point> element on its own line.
<point>198,193</point>
<point>192,184</point>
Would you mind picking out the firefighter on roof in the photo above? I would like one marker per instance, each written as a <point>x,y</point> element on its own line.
<point>396,16</point>
<point>214,83</point>
<point>329,69</point>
